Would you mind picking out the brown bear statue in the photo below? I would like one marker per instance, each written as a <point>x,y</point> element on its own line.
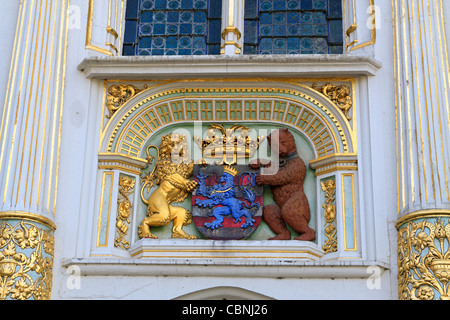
<point>291,204</point>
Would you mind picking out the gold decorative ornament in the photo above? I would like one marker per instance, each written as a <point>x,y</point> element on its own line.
<point>26,261</point>
<point>234,141</point>
<point>232,29</point>
<point>118,95</point>
<point>423,255</point>
<point>126,187</point>
<point>373,29</point>
<point>171,174</point>
<point>329,187</point>
<point>340,95</point>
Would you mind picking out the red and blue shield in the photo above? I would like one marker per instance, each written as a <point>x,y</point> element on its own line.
<point>227,204</point>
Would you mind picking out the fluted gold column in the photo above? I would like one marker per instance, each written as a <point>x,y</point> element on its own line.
<point>29,145</point>
<point>422,71</point>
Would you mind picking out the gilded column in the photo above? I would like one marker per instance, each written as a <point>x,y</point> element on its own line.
<point>29,142</point>
<point>422,71</point>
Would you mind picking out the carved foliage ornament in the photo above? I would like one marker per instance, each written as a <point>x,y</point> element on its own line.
<point>26,261</point>
<point>339,94</point>
<point>118,95</point>
<point>423,254</point>
<point>329,187</point>
<point>126,188</point>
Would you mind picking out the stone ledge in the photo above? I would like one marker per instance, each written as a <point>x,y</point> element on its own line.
<point>203,258</point>
<point>230,249</point>
<point>178,67</point>
<point>249,268</point>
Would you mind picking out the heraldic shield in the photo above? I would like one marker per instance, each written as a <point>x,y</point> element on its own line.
<point>227,204</point>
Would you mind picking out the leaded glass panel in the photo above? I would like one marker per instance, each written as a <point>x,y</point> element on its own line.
<point>172,27</point>
<point>293,27</point>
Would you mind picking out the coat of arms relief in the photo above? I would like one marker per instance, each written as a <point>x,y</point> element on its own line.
<point>226,187</point>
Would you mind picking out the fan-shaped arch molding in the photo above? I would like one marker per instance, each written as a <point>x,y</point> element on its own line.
<point>293,105</point>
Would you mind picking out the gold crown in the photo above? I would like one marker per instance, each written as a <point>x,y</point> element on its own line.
<point>230,170</point>
<point>232,142</point>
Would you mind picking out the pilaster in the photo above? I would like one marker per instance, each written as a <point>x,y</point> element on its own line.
<point>232,27</point>
<point>29,142</point>
<point>423,135</point>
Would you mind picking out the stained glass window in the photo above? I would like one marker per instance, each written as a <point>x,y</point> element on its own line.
<point>172,27</point>
<point>293,27</point>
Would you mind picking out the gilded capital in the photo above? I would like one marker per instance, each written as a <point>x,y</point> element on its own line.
<point>423,255</point>
<point>26,256</point>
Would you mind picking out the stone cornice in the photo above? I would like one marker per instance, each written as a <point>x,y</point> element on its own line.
<point>175,67</point>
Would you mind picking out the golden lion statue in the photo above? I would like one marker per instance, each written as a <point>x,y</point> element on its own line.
<point>171,173</point>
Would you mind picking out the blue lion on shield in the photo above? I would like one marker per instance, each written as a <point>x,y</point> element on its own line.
<point>224,193</point>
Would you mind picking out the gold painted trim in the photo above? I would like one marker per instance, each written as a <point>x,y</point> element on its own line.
<point>428,213</point>
<point>132,160</point>
<point>327,164</point>
<point>21,215</point>
<point>334,169</point>
<point>373,33</point>
<point>232,29</point>
<point>109,44</point>
<point>119,167</point>
<point>100,216</point>
<point>88,44</point>
<point>111,30</point>
<point>349,31</point>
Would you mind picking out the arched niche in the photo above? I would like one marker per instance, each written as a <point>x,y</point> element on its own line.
<point>325,139</point>
<point>223,293</point>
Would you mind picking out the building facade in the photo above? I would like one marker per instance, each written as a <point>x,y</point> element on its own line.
<point>100,99</point>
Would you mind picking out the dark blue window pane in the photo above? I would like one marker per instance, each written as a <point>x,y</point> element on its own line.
<point>335,29</point>
<point>293,44</point>
<point>160,4</point>
<point>293,27</point>
<point>172,42</point>
<point>130,32</point>
<point>279,5</point>
<point>214,31</point>
<point>336,49</point>
<point>215,9</point>
<point>251,32</point>
<point>173,16</point>
<point>200,17</point>
<point>214,49</point>
<point>129,50</point>
<point>320,4</point>
<point>250,49</point>
<point>147,16</point>
<point>185,28</point>
<point>251,9</point>
<point>146,4</point>
<point>306,4</point>
<point>335,9</point>
<point>132,11</point>
<point>187,4</point>
<point>172,27</point>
